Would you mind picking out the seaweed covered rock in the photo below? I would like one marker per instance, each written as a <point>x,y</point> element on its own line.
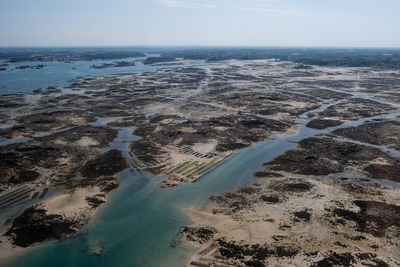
<point>107,164</point>
<point>323,123</point>
<point>374,217</point>
<point>200,234</point>
<point>34,225</point>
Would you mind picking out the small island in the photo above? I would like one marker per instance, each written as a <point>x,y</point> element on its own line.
<point>117,64</point>
<point>3,67</point>
<point>24,67</point>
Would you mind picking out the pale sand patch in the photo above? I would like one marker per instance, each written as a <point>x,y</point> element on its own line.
<point>78,120</point>
<point>187,129</point>
<point>299,104</point>
<point>204,114</point>
<point>162,108</point>
<point>113,121</point>
<point>177,157</point>
<point>282,114</point>
<point>292,130</point>
<point>16,137</point>
<point>179,61</point>
<point>380,161</point>
<point>167,121</point>
<point>60,141</point>
<point>223,223</point>
<point>8,251</point>
<point>221,128</point>
<point>205,148</point>
<point>71,204</point>
<point>87,141</point>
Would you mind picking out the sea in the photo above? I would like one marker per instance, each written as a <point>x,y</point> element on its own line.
<point>58,73</point>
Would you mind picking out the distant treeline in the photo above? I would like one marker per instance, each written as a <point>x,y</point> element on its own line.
<point>43,54</point>
<point>379,58</point>
<point>357,57</point>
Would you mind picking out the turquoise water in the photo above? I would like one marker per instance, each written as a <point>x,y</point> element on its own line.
<point>138,224</point>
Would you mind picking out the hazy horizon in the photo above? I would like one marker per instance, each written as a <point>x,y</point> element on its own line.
<point>200,23</point>
<point>144,46</point>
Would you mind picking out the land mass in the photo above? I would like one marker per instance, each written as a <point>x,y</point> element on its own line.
<point>59,157</point>
<point>24,67</point>
<point>65,54</point>
<point>338,57</point>
<point>114,65</point>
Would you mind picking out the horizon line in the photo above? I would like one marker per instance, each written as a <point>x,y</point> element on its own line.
<point>197,46</point>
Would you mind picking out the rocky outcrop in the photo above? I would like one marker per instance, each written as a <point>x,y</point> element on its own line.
<point>34,225</point>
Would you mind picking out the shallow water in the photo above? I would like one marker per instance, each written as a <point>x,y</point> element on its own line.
<point>58,74</point>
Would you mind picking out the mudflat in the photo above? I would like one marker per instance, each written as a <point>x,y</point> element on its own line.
<point>181,123</point>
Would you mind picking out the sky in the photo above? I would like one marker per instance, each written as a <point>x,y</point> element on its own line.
<point>327,23</point>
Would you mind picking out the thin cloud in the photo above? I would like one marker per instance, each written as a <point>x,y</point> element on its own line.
<point>264,1</point>
<point>270,11</point>
<point>184,4</point>
<point>192,4</point>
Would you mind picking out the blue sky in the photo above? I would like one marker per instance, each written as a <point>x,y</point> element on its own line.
<point>356,23</point>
